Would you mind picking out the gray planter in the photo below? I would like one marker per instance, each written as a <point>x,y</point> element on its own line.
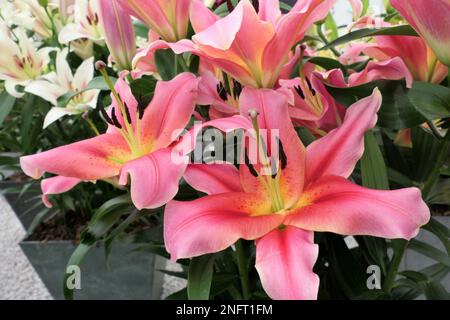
<point>126,275</point>
<point>23,205</point>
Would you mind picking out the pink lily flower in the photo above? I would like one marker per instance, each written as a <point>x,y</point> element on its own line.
<point>168,18</point>
<point>119,32</point>
<point>308,192</point>
<point>139,144</point>
<point>431,20</point>
<point>420,61</point>
<point>56,185</point>
<point>251,47</point>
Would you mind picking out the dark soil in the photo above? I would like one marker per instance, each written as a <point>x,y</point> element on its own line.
<point>67,227</point>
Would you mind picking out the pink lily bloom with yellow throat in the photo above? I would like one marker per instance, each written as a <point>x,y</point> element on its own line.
<point>252,47</point>
<point>139,144</point>
<point>431,19</point>
<point>307,192</point>
<point>168,18</point>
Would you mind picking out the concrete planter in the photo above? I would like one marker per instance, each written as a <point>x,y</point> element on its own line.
<point>126,275</point>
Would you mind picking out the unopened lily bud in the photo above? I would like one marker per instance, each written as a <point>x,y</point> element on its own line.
<point>100,65</point>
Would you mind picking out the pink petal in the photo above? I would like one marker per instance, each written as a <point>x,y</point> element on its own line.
<point>93,159</point>
<point>214,223</point>
<point>269,10</point>
<point>170,110</point>
<point>289,30</point>
<point>154,178</point>
<point>334,204</point>
<point>431,20</point>
<point>201,17</point>
<point>213,178</point>
<point>393,69</point>
<point>338,152</point>
<point>285,260</point>
<point>56,185</point>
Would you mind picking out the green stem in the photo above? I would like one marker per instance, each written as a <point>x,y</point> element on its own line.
<point>393,267</point>
<point>92,126</point>
<point>182,63</point>
<point>325,40</point>
<point>241,258</point>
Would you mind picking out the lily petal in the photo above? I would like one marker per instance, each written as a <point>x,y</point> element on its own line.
<point>338,152</point>
<point>154,178</point>
<point>170,110</point>
<point>284,260</point>
<point>334,204</point>
<point>213,178</point>
<point>56,185</point>
<point>214,223</point>
<point>93,159</point>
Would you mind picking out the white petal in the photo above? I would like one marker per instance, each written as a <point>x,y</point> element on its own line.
<point>46,90</point>
<point>84,74</point>
<point>56,113</point>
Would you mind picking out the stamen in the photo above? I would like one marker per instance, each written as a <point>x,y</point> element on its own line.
<point>283,156</point>
<point>310,87</point>
<point>250,167</point>
<point>105,115</point>
<point>256,5</point>
<point>230,6</point>
<point>127,111</point>
<point>114,119</point>
<point>237,89</point>
<point>221,91</point>
<point>299,91</point>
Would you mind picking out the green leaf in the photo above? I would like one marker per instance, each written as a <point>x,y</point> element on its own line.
<point>105,217</point>
<point>327,63</point>
<point>97,83</point>
<point>200,276</point>
<point>425,153</point>
<point>43,3</point>
<point>140,29</point>
<point>373,168</point>
<point>331,27</point>
<point>179,295</point>
<point>441,231</point>
<point>397,111</point>
<point>431,100</point>
<point>165,63</point>
<point>404,30</point>
<point>6,104</point>
<point>430,251</point>
<point>435,291</point>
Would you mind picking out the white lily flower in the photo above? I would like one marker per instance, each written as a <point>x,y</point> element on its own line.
<point>20,60</point>
<point>86,24</point>
<point>55,84</point>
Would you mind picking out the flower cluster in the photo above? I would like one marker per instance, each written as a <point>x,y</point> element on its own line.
<point>254,67</point>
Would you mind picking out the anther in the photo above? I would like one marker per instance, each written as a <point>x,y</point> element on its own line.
<point>141,108</point>
<point>299,91</point>
<point>237,89</point>
<point>310,87</point>
<point>127,111</point>
<point>283,156</point>
<point>115,120</point>
<point>106,116</point>
<point>221,91</point>
<point>230,6</point>
<point>250,167</point>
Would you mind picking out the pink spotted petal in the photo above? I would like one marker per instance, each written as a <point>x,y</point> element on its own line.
<point>154,178</point>
<point>92,159</point>
<point>284,260</point>
<point>214,223</point>
<point>334,204</point>
<point>213,178</point>
<point>338,152</point>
